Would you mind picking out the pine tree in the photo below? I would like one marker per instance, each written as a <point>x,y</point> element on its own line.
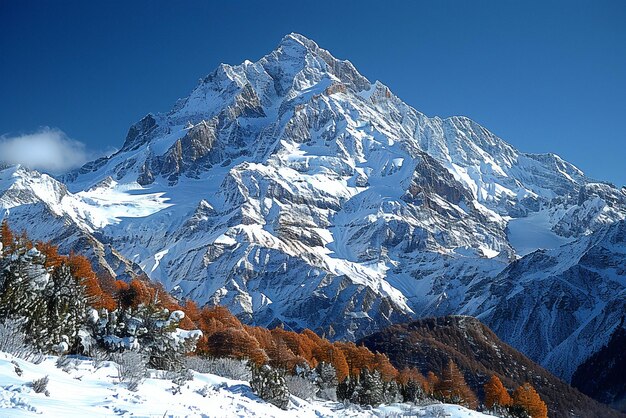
<point>51,301</point>
<point>347,388</point>
<point>281,356</point>
<point>326,381</point>
<point>357,357</point>
<point>413,385</point>
<point>527,397</point>
<point>496,394</point>
<point>432,379</point>
<point>270,385</point>
<point>232,343</point>
<point>387,372</point>
<point>371,388</point>
<point>81,269</point>
<point>339,362</point>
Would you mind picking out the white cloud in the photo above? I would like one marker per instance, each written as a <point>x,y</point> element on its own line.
<point>47,150</point>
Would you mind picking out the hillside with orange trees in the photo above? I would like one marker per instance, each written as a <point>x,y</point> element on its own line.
<point>431,344</point>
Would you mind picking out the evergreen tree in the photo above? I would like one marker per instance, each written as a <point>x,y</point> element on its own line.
<point>371,389</point>
<point>270,385</point>
<point>413,385</point>
<point>148,329</point>
<point>391,392</point>
<point>346,389</point>
<point>50,300</point>
<point>432,379</point>
<point>326,381</point>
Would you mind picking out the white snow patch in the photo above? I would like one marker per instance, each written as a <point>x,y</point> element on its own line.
<point>532,233</point>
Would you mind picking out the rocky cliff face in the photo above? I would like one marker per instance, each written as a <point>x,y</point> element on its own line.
<point>561,305</point>
<point>294,190</point>
<point>601,375</point>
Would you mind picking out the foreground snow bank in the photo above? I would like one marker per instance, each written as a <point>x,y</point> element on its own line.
<point>80,388</point>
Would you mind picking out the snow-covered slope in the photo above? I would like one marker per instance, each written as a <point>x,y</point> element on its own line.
<point>559,306</point>
<point>294,190</point>
<point>46,210</point>
<point>83,389</point>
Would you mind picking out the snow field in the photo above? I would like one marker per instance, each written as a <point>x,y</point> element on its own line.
<point>84,389</point>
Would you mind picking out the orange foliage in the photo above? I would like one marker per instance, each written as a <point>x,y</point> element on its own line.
<point>527,397</point>
<point>6,236</point>
<point>234,343</point>
<point>358,358</point>
<point>51,252</point>
<point>387,371</point>
<point>432,380</point>
<point>452,387</point>
<point>223,334</point>
<point>80,267</point>
<point>496,393</point>
<point>407,375</point>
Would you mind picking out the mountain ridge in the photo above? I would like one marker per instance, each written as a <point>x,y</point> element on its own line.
<point>295,191</point>
<point>430,343</point>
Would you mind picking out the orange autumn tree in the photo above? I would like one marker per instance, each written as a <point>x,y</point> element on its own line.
<point>432,379</point>
<point>326,352</point>
<point>358,357</point>
<point>51,252</point>
<point>81,269</point>
<point>452,387</point>
<point>387,372</point>
<point>496,394</point>
<point>527,397</point>
<point>6,236</point>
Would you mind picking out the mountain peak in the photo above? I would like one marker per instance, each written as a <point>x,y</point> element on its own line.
<point>294,39</point>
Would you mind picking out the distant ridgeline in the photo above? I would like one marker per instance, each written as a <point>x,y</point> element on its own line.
<point>61,307</point>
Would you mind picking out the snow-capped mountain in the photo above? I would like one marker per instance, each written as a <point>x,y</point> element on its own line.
<point>294,190</point>
<point>43,206</point>
<point>563,304</point>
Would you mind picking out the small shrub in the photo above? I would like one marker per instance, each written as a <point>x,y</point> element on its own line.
<point>98,356</point>
<point>224,367</point>
<point>438,412</point>
<point>17,368</point>
<point>131,369</point>
<point>41,385</point>
<point>301,387</point>
<point>206,391</point>
<point>66,363</point>
<point>37,357</point>
<point>179,377</point>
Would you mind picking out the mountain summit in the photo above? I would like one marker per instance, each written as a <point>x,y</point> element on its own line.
<point>297,192</point>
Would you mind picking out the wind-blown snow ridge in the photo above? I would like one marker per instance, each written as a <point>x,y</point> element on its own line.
<point>295,191</point>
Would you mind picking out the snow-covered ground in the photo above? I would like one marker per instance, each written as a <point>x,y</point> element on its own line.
<point>84,390</point>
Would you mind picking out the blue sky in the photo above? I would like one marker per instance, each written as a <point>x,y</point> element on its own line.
<point>546,76</point>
